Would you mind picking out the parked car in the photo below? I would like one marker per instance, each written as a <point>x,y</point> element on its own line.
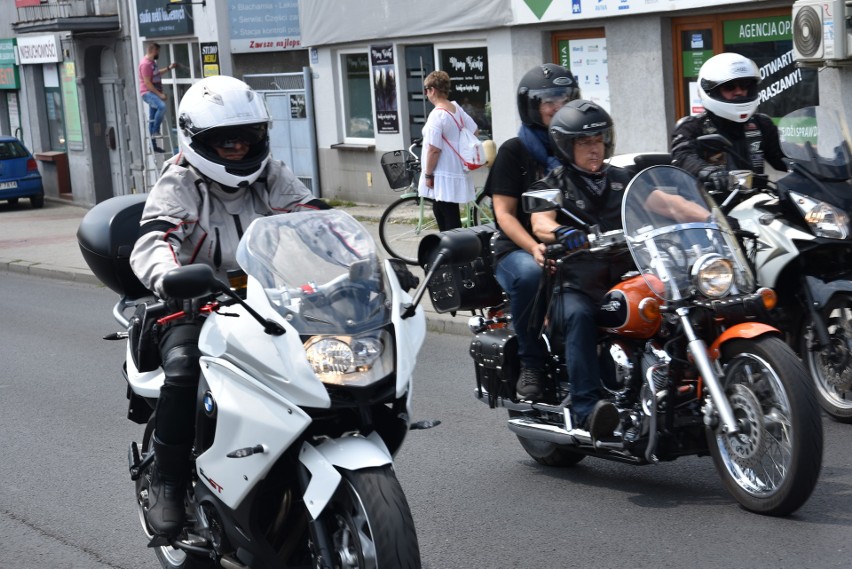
<point>19,175</point>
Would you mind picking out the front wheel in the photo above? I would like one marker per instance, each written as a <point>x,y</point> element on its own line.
<point>772,464</point>
<point>403,224</point>
<point>831,369</point>
<point>370,524</point>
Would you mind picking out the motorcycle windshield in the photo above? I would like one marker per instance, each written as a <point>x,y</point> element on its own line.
<point>817,139</point>
<point>319,269</point>
<point>672,228</point>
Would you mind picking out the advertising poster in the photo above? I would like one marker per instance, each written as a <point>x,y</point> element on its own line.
<point>209,59</point>
<point>71,106</point>
<point>384,88</point>
<point>468,71</point>
<point>588,63</point>
<point>264,26</point>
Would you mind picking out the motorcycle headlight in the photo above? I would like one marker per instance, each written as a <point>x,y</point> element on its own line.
<point>351,360</point>
<point>713,275</point>
<point>824,219</point>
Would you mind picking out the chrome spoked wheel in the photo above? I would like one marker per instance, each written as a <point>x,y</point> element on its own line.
<point>772,463</point>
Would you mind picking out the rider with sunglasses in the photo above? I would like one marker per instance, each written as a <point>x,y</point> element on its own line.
<point>728,87</point>
<point>223,178</point>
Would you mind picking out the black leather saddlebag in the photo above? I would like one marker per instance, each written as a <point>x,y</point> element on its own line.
<point>495,354</point>
<point>462,286</point>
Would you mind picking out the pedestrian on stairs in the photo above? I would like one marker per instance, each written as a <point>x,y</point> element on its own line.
<point>151,89</point>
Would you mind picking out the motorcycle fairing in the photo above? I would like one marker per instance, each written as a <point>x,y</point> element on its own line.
<point>249,414</point>
<point>323,460</point>
<point>410,332</point>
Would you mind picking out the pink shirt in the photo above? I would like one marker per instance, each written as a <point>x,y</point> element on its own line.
<point>148,68</point>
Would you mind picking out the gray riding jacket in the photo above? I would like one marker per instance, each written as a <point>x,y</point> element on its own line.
<point>191,219</point>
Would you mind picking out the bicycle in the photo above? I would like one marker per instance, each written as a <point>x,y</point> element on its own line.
<point>408,219</point>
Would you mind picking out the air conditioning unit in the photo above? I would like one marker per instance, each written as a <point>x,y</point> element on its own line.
<point>820,31</point>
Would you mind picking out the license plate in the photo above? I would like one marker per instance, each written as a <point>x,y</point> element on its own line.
<point>8,185</point>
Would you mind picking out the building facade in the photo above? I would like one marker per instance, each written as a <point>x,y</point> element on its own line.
<point>638,58</point>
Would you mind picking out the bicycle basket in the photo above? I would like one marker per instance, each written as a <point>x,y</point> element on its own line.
<point>399,167</point>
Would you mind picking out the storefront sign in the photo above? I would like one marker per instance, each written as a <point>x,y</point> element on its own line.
<point>264,26</point>
<point>532,11</point>
<point>468,71</point>
<point>23,3</point>
<point>384,88</point>
<point>8,70</point>
<point>39,49</point>
<point>209,59</point>
<point>587,61</point>
<point>159,18</point>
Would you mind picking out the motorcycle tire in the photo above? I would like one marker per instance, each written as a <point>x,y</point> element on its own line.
<point>169,557</point>
<point>772,464</point>
<point>369,522</point>
<point>548,454</point>
<point>831,370</point>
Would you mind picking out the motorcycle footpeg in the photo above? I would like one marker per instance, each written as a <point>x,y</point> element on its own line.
<point>133,461</point>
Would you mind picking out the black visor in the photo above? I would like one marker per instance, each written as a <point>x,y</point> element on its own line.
<point>227,136</point>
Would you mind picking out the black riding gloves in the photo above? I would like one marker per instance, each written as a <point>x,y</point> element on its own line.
<point>570,238</point>
<point>715,178</point>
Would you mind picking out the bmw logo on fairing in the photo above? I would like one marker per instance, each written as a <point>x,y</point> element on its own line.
<point>209,403</point>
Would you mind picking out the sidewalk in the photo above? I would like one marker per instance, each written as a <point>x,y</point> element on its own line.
<point>43,242</point>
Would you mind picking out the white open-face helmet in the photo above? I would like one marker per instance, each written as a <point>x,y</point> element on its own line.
<point>218,111</point>
<point>729,68</point>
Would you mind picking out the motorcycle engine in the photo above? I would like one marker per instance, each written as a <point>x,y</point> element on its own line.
<point>655,372</point>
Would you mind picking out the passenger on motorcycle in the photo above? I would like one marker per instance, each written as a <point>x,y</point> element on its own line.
<point>518,255</point>
<point>223,178</point>
<point>728,87</point>
<point>583,135</point>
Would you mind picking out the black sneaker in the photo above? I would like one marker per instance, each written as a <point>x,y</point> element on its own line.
<point>530,386</point>
<point>603,420</point>
<point>157,149</point>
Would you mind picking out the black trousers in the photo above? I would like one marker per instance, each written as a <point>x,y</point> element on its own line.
<point>447,215</point>
<point>176,405</point>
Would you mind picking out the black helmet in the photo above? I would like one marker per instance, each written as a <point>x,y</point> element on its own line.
<point>541,83</point>
<point>579,119</point>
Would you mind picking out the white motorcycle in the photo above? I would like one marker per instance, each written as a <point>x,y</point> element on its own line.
<point>304,396</point>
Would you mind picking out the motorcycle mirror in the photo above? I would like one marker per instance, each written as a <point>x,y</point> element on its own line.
<point>541,200</point>
<point>191,281</point>
<point>460,246</point>
<point>714,142</point>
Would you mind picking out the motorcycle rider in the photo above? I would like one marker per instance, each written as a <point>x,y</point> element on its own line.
<point>583,134</point>
<point>223,178</point>
<point>728,87</point>
<point>518,256</point>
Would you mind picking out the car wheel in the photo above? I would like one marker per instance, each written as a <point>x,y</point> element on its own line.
<point>37,201</point>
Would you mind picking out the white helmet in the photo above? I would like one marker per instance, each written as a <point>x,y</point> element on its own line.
<point>725,68</point>
<point>218,110</point>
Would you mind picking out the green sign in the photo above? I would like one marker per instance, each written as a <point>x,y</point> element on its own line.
<point>8,70</point>
<point>755,30</point>
<point>71,105</point>
<point>693,60</point>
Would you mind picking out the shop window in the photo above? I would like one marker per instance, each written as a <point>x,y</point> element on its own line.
<point>468,71</point>
<point>53,107</point>
<point>763,36</point>
<point>357,96</point>
<point>584,53</point>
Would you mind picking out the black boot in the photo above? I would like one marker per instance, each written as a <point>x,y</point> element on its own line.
<point>169,472</point>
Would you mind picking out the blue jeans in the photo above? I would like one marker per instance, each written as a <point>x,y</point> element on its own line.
<point>575,317</point>
<point>156,111</point>
<point>519,276</point>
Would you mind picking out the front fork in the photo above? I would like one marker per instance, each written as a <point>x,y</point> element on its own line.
<point>698,350</point>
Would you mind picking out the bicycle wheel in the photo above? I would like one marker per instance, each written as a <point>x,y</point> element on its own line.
<point>483,211</point>
<point>404,223</point>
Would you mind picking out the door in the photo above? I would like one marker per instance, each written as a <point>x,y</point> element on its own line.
<point>114,137</point>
